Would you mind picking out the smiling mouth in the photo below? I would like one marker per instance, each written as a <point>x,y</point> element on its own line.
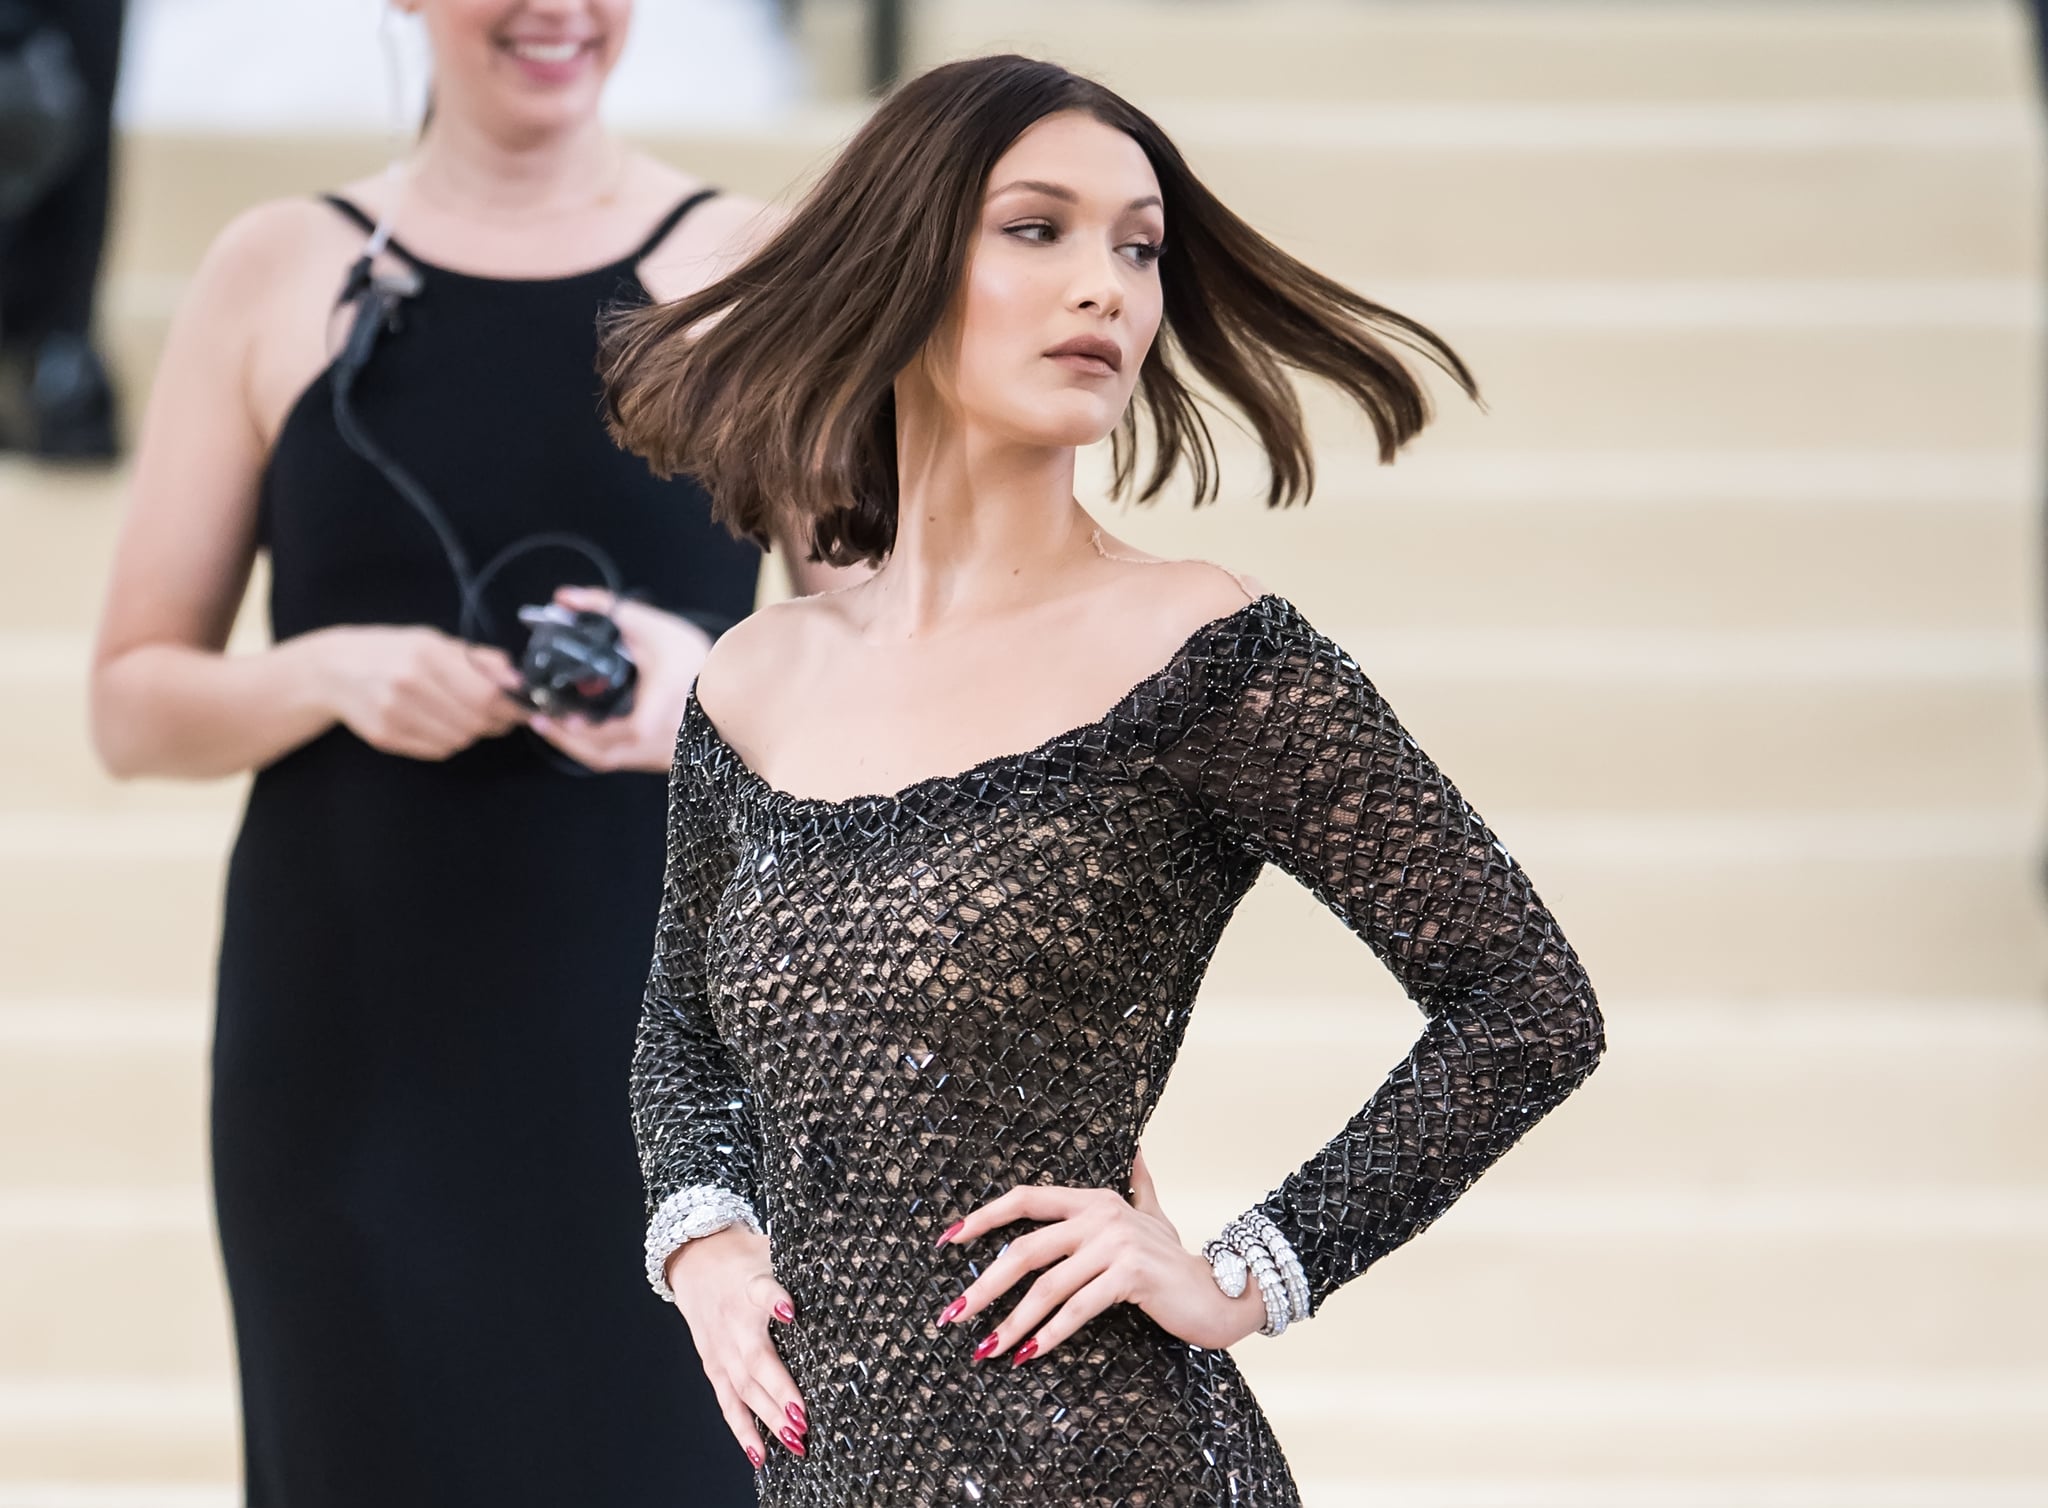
<point>552,54</point>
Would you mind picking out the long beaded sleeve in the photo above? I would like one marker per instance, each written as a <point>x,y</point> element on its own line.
<point>1303,765</point>
<point>693,1117</point>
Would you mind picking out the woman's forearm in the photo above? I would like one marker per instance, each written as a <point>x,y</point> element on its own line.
<point>179,711</point>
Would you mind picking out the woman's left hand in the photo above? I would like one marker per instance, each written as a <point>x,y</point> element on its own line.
<point>1096,1249</point>
<point>669,652</point>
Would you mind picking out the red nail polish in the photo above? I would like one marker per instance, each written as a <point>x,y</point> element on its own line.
<point>794,1441</point>
<point>754,1458</point>
<point>796,1416</point>
<point>952,1312</point>
<point>990,1346</point>
<point>785,1312</point>
<point>951,1231</point>
<point>1025,1352</point>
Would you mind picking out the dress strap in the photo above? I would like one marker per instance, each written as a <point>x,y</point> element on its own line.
<point>350,210</point>
<point>669,222</point>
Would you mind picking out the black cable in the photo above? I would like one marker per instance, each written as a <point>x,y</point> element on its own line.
<point>472,603</point>
<point>377,301</point>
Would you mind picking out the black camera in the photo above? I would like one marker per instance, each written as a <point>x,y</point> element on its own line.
<point>576,662</point>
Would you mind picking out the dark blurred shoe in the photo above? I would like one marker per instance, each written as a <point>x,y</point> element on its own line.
<point>56,402</point>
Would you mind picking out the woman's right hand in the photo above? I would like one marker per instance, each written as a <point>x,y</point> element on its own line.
<point>727,1291</point>
<point>416,691</point>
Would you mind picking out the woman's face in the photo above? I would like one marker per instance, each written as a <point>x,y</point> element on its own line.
<point>523,66</point>
<point>1061,299</point>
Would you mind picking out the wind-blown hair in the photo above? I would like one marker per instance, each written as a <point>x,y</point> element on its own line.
<point>775,385</point>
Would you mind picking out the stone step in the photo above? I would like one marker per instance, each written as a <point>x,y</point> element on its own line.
<point>1612,389</point>
<point>1792,723</point>
<point>1824,389</point>
<point>1617,740</point>
<point>1630,540</point>
<point>1286,49</point>
<point>1847,1487</point>
<point>1711,1429</point>
<point>1846,1490</point>
<point>1655,1439</point>
<point>1810,189</point>
<point>1719,905</point>
<point>101,1098</point>
<point>149,1440</point>
<point>1767,1099</point>
<point>130,1284</point>
<point>1939,902</point>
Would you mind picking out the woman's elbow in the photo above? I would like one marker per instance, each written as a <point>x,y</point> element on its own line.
<point>114,724</point>
<point>1575,1031</point>
<point>1591,1036</point>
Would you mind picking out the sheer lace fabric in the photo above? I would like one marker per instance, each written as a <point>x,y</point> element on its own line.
<point>866,1017</point>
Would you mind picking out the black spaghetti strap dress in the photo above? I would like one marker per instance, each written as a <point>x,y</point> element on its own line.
<point>428,1199</point>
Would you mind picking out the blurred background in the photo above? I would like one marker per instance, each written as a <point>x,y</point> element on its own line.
<point>1726,613</point>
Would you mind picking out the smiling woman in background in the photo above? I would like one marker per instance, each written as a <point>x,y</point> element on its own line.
<point>436,932</point>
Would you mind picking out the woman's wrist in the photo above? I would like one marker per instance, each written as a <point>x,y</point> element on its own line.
<point>313,661</point>
<point>1251,1259</point>
<point>714,1248</point>
<point>1248,1311</point>
<point>690,1216</point>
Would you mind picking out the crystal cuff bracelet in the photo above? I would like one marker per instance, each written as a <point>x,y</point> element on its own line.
<point>1251,1246</point>
<point>1230,1269</point>
<point>1271,1288</point>
<point>1262,1229</point>
<point>687,1214</point>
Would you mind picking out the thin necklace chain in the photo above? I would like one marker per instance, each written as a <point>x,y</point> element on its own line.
<point>1095,539</point>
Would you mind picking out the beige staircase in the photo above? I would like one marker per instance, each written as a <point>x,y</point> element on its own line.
<point>1727,615</point>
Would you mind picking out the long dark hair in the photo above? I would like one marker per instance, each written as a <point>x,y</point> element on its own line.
<point>775,385</point>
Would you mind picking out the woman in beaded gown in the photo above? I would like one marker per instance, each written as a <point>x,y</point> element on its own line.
<point>924,959</point>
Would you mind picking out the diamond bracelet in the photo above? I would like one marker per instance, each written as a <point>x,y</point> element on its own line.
<point>1261,1228</point>
<point>1251,1248</point>
<point>688,1214</point>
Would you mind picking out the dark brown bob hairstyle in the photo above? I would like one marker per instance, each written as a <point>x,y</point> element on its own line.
<point>775,385</point>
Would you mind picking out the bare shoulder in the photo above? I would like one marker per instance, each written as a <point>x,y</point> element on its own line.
<point>718,217</point>
<point>269,243</point>
<point>1163,603</point>
<point>755,660</point>
<point>245,298</point>
<point>737,223</point>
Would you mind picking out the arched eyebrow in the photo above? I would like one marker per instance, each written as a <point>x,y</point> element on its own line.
<point>1068,196</point>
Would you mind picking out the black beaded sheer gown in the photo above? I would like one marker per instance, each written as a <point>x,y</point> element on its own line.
<point>866,1017</point>
<point>428,1199</point>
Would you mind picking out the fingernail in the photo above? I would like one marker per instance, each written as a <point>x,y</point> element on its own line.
<point>951,1231</point>
<point>990,1346</point>
<point>754,1458</point>
<point>794,1441</point>
<point>1025,1352</point>
<point>952,1312</point>
<point>796,1416</point>
<point>785,1312</point>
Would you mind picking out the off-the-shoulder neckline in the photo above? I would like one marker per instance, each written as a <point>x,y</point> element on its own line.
<point>774,795</point>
